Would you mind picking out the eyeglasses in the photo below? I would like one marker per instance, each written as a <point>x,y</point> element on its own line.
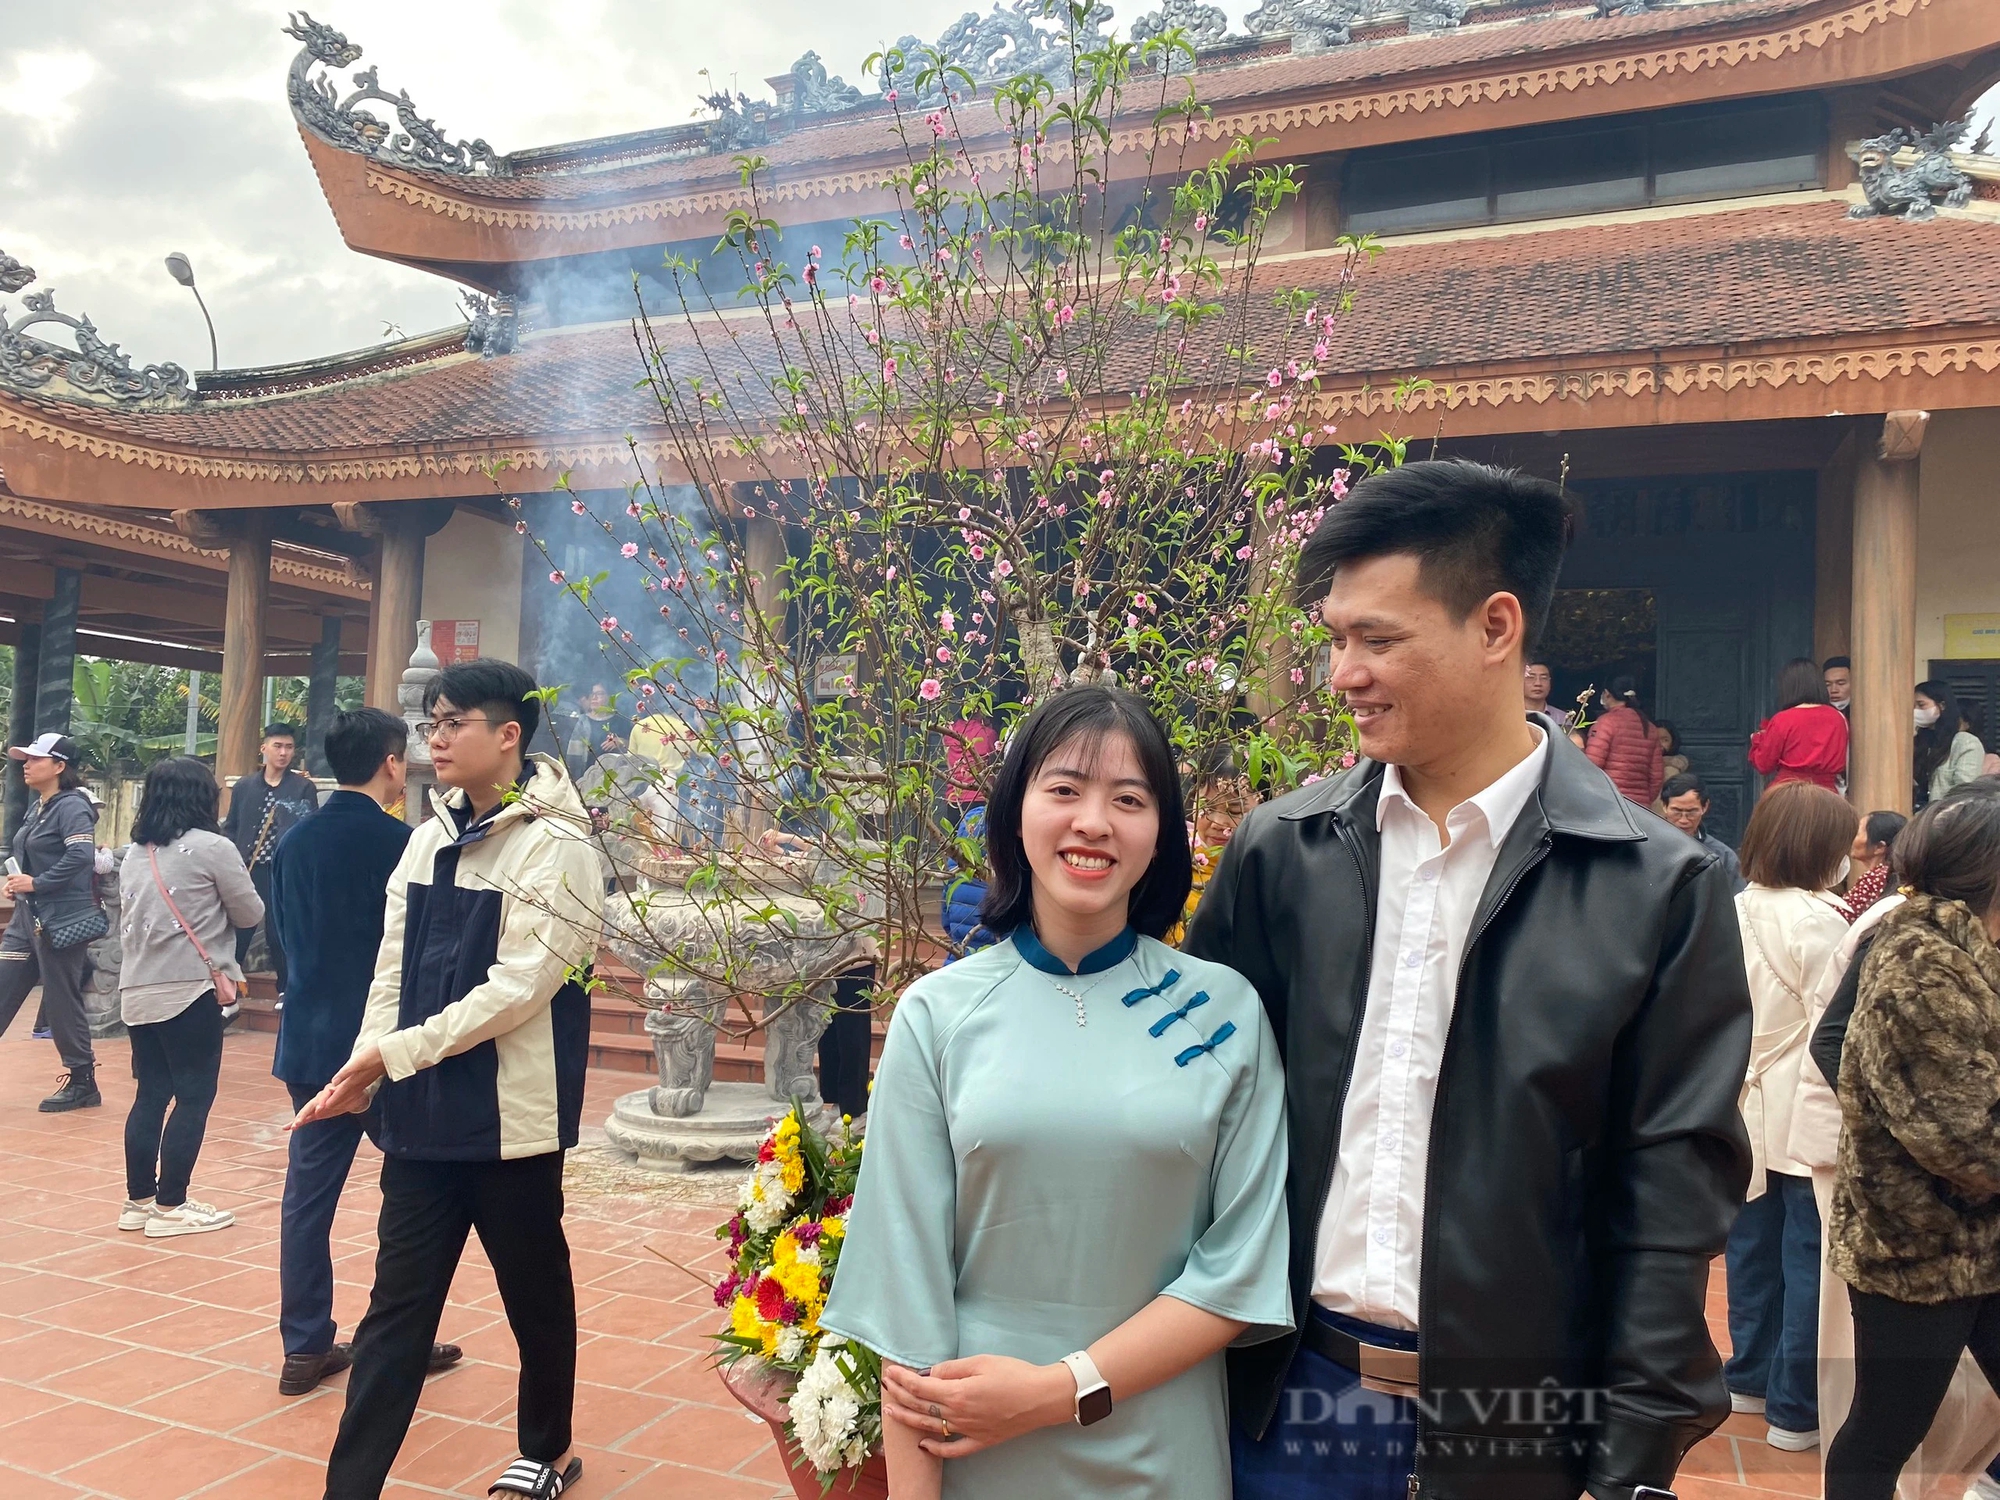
<point>444,731</point>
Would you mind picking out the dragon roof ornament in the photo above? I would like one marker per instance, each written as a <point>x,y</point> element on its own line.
<point>1005,43</point>
<point>92,371</point>
<point>1914,192</point>
<point>318,102</point>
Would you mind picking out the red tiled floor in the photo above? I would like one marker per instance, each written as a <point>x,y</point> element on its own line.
<point>147,1371</point>
<point>141,1370</point>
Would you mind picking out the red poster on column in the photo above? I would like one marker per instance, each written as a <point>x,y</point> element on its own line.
<point>454,640</point>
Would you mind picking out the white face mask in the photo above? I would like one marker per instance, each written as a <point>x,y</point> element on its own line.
<point>1926,717</point>
<point>1846,865</point>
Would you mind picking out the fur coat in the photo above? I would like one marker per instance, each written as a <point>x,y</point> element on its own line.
<point>1916,1199</point>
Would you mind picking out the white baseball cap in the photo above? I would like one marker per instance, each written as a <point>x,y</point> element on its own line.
<point>55,746</point>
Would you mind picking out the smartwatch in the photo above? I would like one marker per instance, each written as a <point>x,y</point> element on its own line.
<point>1093,1393</point>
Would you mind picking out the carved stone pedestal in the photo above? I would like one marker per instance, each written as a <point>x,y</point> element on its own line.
<point>761,940</point>
<point>689,1119</point>
<point>732,1124</point>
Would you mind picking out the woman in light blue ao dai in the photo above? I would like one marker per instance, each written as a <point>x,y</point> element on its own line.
<point>1072,1194</point>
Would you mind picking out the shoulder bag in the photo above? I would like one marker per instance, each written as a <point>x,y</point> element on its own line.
<point>87,927</point>
<point>225,987</point>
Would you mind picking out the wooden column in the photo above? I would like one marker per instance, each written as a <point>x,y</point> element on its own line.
<point>21,719</point>
<point>399,598</point>
<point>55,676</point>
<point>243,648</point>
<point>1885,612</point>
<point>399,583</point>
<point>764,559</point>
<point>320,690</point>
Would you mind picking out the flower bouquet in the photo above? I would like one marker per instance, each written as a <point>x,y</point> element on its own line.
<point>786,1235</point>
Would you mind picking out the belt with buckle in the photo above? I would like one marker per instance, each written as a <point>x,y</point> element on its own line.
<point>1391,1371</point>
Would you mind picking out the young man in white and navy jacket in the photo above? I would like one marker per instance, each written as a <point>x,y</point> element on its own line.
<point>473,1046</point>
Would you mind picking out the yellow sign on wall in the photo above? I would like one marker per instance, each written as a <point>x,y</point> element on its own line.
<point>1971,635</point>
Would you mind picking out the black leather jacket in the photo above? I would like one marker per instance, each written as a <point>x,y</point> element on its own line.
<point>1586,1156</point>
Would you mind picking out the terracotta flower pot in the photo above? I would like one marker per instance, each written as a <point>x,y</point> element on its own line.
<point>765,1391</point>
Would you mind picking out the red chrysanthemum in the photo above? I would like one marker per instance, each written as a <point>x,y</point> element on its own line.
<point>771,1301</point>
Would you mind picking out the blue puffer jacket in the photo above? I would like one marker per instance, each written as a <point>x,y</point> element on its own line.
<point>964,892</point>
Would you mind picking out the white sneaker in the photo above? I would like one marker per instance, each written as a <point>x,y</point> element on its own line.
<point>1778,1437</point>
<point>190,1218</point>
<point>135,1214</point>
<point>1752,1404</point>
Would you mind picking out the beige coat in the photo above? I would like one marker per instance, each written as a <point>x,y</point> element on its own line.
<point>1788,936</point>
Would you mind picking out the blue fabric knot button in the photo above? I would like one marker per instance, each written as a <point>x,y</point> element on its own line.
<point>1222,1034</point>
<point>1159,1027</point>
<point>1173,978</point>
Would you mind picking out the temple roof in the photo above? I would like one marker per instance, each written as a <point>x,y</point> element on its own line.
<point>1511,62</point>
<point>1780,309</point>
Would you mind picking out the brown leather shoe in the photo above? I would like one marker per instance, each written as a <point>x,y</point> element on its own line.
<point>444,1356</point>
<point>304,1372</point>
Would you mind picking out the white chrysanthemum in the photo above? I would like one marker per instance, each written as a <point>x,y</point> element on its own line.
<point>791,1344</point>
<point>826,1415</point>
<point>766,1204</point>
<point>808,1255</point>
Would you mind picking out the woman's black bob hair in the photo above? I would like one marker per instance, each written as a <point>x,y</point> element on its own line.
<point>178,795</point>
<point>1088,715</point>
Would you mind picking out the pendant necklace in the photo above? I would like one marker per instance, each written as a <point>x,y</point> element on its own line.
<point>1080,1017</point>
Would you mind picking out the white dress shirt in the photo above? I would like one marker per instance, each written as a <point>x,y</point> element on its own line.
<point>1371,1235</point>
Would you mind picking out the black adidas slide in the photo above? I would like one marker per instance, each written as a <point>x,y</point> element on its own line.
<point>535,1480</point>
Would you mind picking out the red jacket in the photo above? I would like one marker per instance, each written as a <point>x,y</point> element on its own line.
<point>1807,742</point>
<point>1624,745</point>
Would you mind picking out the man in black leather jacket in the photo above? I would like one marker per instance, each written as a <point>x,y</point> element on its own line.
<point>1566,1162</point>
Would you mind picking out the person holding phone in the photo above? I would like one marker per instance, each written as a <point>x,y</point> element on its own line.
<point>52,876</point>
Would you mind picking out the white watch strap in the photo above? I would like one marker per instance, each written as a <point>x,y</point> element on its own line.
<point>1084,1369</point>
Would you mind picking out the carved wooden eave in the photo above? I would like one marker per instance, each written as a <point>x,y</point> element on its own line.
<point>144,540</point>
<point>1401,90</point>
<point>1677,387</point>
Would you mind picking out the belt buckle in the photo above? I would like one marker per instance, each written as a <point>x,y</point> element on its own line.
<point>1391,1372</point>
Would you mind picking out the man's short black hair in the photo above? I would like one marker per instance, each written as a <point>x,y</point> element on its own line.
<point>1475,531</point>
<point>498,689</point>
<point>1836,661</point>
<point>1681,785</point>
<point>279,729</point>
<point>357,743</point>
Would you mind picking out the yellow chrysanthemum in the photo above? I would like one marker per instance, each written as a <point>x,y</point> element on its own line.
<point>833,1228</point>
<point>743,1319</point>
<point>800,1280</point>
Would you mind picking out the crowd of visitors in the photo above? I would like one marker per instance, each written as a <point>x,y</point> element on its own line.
<point>1219,1112</point>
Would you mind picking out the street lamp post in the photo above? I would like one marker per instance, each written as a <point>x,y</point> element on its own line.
<point>182,270</point>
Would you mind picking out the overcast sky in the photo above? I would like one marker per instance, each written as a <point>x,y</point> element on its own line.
<point>131,128</point>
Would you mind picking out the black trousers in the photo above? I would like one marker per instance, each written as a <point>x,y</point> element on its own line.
<point>59,971</point>
<point>427,1207</point>
<point>176,1061</point>
<point>1904,1357</point>
<point>844,1045</point>
<point>260,877</point>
